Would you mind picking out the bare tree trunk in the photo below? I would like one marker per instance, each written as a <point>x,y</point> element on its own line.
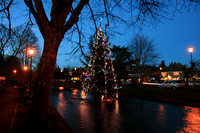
<point>44,78</point>
<point>53,31</point>
<point>142,77</point>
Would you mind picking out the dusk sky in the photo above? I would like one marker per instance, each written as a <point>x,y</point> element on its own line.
<point>172,39</point>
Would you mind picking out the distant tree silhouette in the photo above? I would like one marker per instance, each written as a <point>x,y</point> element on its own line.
<point>121,60</point>
<point>143,51</point>
<point>162,64</point>
<point>56,74</point>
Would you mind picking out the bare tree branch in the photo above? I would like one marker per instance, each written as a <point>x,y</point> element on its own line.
<point>92,14</point>
<point>42,27</point>
<point>41,13</point>
<point>9,21</point>
<point>6,10</point>
<point>106,15</point>
<point>74,17</point>
<point>60,10</point>
<point>7,7</point>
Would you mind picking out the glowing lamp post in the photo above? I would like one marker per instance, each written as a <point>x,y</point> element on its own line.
<point>14,74</point>
<point>14,71</point>
<point>25,68</point>
<point>31,52</point>
<point>190,49</point>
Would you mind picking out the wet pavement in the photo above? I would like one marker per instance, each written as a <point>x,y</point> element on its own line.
<point>8,105</point>
<point>13,113</point>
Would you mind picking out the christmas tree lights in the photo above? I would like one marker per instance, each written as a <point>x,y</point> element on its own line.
<point>100,77</point>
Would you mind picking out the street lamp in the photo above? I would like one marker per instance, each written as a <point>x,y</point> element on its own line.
<point>25,68</point>
<point>190,49</point>
<point>14,71</point>
<point>31,52</point>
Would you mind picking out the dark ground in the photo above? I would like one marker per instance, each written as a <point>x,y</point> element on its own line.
<point>182,96</point>
<point>14,107</point>
<point>8,105</point>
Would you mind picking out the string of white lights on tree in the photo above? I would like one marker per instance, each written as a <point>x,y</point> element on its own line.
<point>100,74</point>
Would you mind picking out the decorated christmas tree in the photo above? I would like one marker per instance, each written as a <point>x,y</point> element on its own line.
<point>100,77</point>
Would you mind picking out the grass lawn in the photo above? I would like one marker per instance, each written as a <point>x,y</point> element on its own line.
<point>183,96</point>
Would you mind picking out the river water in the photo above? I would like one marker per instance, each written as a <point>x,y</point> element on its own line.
<point>125,115</point>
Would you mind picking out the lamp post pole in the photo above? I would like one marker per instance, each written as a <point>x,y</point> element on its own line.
<point>25,68</point>
<point>191,58</point>
<point>190,51</point>
<point>30,90</point>
<point>30,52</point>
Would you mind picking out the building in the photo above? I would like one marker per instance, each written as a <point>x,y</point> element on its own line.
<point>172,75</point>
<point>2,80</point>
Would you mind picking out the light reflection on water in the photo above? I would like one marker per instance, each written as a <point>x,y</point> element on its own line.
<point>124,115</point>
<point>191,120</point>
<point>161,115</point>
<point>61,104</point>
<point>61,88</point>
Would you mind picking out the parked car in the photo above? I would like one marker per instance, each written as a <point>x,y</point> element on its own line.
<point>172,84</point>
<point>195,83</point>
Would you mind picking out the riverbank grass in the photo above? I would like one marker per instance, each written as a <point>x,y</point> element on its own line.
<point>182,96</point>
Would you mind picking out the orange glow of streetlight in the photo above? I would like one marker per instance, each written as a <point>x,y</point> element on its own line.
<point>14,71</point>
<point>31,51</point>
<point>190,49</point>
<point>25,68</point>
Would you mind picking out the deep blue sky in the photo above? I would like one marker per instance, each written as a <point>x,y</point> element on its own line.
<point>172,40</point>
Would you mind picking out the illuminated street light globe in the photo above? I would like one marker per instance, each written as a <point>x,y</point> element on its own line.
<point>31,52</point>
<point>25,68</point>
<point>14,71</point>
<point>190,49</point>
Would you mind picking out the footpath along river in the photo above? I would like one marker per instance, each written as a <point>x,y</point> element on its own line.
<point>125,115</point>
